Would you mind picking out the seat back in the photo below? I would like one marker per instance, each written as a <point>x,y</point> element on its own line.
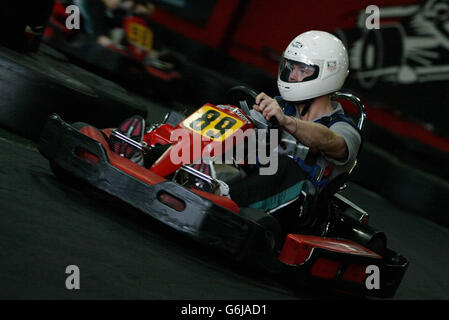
<point>321,208</point>
<point>338,182</point>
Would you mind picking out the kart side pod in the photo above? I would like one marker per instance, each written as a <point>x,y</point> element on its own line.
<point>342,264</point>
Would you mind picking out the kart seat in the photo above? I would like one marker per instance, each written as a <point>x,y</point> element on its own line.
<point>320,212</point>
<point>338,182</point>
<point>333,187</point>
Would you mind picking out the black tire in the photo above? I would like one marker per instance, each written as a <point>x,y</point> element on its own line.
<point>270,224</point>
<point>380,49</point>
<point>350,228</point>
<point>378,244</point>
<point>266,254</point>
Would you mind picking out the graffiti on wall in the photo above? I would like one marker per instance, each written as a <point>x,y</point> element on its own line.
<point>411,45</point>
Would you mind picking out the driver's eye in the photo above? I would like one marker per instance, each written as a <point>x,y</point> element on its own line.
<point>305,71</point>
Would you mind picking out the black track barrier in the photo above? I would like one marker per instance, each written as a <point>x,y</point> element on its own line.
<point>418,192</point>
<point>406,186</point>
<point>372,166</point>
<point>33,86</point>
<point>409,150</point>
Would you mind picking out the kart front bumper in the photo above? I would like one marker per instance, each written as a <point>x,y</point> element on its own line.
<point>201,219</point>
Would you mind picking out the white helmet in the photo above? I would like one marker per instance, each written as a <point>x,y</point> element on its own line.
<point>320,61</point>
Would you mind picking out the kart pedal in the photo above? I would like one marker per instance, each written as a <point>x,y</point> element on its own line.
<point>126,139</point>
<point>203,167</point>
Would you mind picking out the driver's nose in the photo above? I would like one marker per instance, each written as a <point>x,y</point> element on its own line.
<point>296,76</point>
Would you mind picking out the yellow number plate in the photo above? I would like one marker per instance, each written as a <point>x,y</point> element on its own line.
<point>212,123</point>
<point>140,36</point>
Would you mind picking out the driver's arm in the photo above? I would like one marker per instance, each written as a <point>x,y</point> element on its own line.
<point>316,136</point>
<point>310,134</point>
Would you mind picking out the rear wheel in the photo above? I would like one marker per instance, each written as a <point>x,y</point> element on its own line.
<point>378,244</point>
<point>347,227</point>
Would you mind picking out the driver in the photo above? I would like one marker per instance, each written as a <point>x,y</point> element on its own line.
<point>101,16</point>
<point>318,142</point>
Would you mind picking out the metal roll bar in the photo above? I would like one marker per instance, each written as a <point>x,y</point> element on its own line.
<point>357,102</point>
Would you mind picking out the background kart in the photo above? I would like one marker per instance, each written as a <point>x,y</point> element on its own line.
<point>335,252</point>
<point>130,62</point>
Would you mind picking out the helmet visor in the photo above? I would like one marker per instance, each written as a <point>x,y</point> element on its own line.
<point>294,71</point>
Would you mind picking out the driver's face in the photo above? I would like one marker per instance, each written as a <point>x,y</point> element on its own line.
<point>299,72</point>
<point>112,4</point>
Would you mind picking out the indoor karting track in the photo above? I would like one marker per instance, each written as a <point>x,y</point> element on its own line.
<point>122,254</point>
<point>46,225</point>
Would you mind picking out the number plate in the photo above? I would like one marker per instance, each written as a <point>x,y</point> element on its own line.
<point>140,36</point>
<point>212,123</point>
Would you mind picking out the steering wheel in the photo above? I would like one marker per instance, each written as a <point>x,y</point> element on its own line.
<point>245,98</point>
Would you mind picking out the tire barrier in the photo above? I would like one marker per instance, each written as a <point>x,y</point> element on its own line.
<point>34,86</point>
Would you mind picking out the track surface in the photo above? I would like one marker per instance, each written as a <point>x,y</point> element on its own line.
<point>46,225</point>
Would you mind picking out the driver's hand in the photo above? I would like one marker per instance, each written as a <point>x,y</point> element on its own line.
<point>112,4</point>
<point>140,9</point>
<point>104,41</point>
<point>269,107</point>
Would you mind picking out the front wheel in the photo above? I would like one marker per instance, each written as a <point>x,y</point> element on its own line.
<point>267,246</point>
<point>378,244</point>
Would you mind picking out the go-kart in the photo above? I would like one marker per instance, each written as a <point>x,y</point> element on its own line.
<point>337,248</point>
<point>130,60</point>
